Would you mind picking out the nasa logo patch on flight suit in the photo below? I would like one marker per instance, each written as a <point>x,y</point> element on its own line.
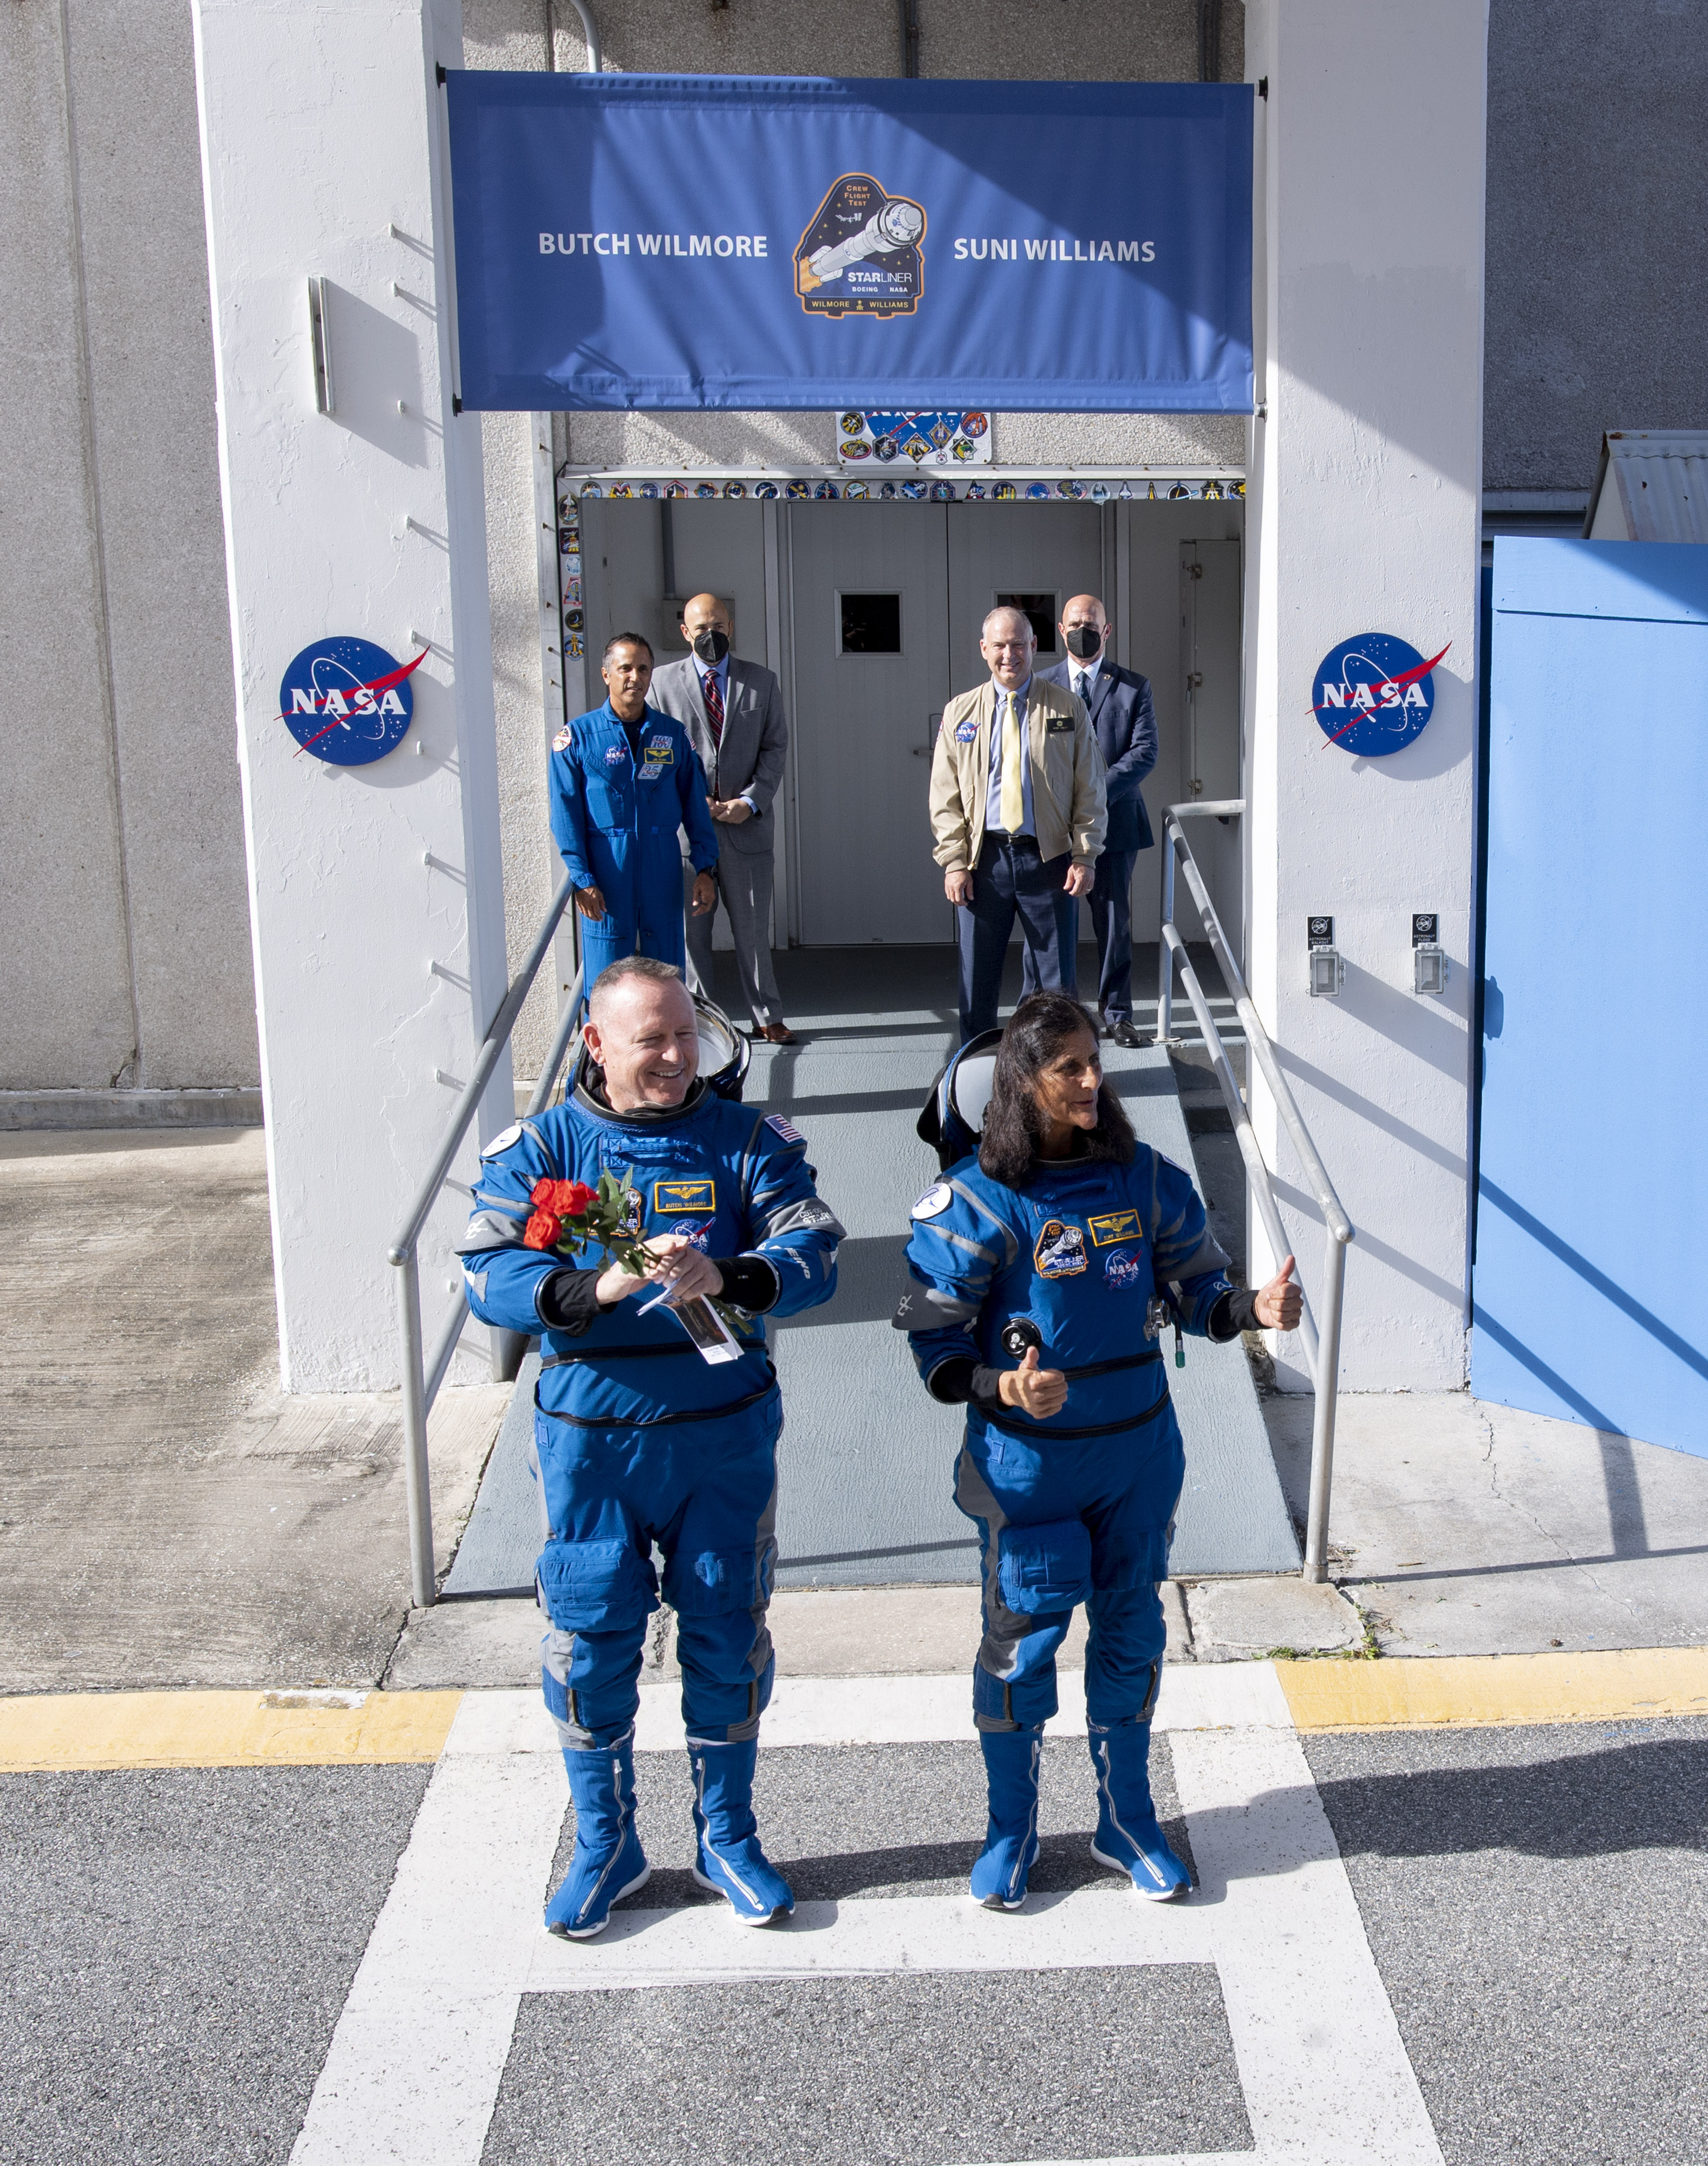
<point>614,755</point>
<point>1111,1226</point>
<point>1060,1252</point>
<point>1123,1270</point>
<point>696,1235</point>
<point>668,1196</point>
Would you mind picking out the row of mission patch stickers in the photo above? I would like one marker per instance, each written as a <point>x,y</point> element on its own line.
<point>916,490</point>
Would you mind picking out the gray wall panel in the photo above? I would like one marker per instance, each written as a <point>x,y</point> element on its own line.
<point>67,1020</point>
<point>151,382</point>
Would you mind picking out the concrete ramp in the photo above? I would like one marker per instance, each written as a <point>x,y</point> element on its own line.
<point>868,1458</point>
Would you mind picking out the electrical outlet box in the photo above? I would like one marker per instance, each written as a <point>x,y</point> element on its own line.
<point>1327,970</point>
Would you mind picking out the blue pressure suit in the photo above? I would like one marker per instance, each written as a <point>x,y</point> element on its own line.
<point>615,817</point>
<point>1078,1508</point>
<point>638,1441</point>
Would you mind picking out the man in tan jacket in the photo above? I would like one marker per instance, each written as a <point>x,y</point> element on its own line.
<point>1018,815</point>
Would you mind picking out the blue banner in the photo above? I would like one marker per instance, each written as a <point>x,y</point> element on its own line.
<point>691,241</point>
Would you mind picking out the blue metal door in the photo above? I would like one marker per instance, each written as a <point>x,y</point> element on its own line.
<point>1591,1280</point>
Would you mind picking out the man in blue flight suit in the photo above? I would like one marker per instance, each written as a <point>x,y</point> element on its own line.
<point>1118,702</point>
<point>639,1440</point>
<point>1041,1268</point>
<point>624,779</point>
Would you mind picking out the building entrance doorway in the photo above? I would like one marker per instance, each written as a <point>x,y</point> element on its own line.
<point>888,603</point>
<point>870,615</point>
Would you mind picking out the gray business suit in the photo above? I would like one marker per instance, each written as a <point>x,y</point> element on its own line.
<point>748,763</point>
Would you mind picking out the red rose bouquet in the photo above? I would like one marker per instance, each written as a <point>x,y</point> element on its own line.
<point>567,1215</point>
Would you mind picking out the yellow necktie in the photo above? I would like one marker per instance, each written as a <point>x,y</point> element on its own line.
<point>1013,802</point>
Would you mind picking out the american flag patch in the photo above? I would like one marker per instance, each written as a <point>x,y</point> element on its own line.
<point>786,1130</point>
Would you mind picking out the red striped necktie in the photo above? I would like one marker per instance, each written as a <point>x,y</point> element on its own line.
<point>714,706</point>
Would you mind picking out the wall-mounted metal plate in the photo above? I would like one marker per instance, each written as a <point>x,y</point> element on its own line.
<point>320,344</point>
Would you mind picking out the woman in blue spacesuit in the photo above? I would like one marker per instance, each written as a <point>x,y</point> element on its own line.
<point>1045,1269</point>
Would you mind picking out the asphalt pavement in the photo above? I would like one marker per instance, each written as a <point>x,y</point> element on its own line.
<point>1473,1941</point>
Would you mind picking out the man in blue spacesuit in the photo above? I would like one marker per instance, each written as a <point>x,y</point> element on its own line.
<point>1042,1270</point>
<point>624,779</point>
<point>639,1440</point>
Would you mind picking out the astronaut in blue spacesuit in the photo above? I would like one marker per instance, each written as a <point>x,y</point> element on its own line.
<point>638,1439</point>
<point>623,779</point>
<point>1041,1269</point>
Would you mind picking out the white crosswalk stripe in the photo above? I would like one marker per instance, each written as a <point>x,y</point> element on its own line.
<point>416,2064</point>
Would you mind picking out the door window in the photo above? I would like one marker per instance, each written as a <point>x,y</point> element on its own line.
<point>1042,612</point>
<point>872,624</point>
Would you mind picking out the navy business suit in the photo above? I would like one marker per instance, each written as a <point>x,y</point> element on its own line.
<point>1125,723</point>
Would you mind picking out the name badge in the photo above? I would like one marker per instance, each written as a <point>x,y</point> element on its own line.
<point>670,1197</point>
<point>1109,1227</point>
<point>1055,724</point>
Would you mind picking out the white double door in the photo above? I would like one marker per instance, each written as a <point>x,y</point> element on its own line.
<point>887,603</point>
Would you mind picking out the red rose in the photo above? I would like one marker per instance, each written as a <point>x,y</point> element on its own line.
<point>542,1228</point>
<point>541,1194</point>
<point>574,1197</point>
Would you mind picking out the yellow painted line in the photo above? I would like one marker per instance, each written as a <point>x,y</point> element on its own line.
<point>1428,1693</point>
<point>66,1731</point>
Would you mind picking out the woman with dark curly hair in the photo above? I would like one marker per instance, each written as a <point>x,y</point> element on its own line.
<point>1044,1269</point>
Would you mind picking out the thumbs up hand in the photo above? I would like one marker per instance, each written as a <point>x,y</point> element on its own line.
<point>1280,1304</point>
<point>1039,1392</point>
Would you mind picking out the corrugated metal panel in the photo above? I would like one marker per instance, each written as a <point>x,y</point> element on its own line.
<point>1660,480</point>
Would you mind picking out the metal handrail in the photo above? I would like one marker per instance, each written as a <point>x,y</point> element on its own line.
<point>422,1376</point>
<point>1322,1339</point>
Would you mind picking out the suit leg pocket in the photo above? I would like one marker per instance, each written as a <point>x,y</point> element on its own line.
<point>596,1586</point>
<point>1045,1569</point>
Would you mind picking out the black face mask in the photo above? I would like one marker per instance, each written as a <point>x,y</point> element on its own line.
<point>1083,642</point>
<point>711,645</point>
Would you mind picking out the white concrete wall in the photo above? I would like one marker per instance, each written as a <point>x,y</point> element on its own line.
<point>1364,503</point>
<point>375,892</point>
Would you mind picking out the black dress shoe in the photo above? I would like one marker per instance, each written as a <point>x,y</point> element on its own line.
<point>1124,1034</point>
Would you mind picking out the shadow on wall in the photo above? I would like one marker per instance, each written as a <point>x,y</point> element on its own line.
<point>376,367</point>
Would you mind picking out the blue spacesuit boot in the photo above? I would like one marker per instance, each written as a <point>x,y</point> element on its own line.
<point>1129,1839</point>
<point>1011,1833</point>
<point>609,1862</point>
<point>731,1862</point>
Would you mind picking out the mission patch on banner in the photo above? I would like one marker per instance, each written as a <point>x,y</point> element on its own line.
<point>862,253</point>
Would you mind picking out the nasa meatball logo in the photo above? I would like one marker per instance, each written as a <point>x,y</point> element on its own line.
<point>347,702</point>
<point>1060,1252</point>
<point>863,254</point>
<point>696,1233</point>
<point>1373,694</point>
<point>1123,1269</point>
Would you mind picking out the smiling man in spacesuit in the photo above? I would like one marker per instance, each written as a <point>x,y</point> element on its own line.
<point>638,1439</point>
<point>624,780</point>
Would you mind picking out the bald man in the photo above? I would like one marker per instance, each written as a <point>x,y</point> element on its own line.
<point>1016,818</point>
<point>733,711</point>
<point>1119,703</point>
